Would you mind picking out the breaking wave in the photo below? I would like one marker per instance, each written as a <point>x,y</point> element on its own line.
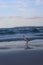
<point>19,30</point>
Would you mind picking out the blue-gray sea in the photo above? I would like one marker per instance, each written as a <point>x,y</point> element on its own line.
<point>11,38</point>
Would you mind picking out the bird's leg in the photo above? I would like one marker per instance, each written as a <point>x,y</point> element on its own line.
<point>26,44</point>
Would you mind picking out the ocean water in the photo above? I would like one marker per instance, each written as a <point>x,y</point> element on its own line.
<point>11,38</point>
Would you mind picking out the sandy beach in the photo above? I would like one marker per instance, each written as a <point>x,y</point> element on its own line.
<point>21,57</point>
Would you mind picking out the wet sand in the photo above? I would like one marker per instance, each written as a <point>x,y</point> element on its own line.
<point>21,57</point>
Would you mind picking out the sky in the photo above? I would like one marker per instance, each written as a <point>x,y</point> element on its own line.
<point>14,13</point>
